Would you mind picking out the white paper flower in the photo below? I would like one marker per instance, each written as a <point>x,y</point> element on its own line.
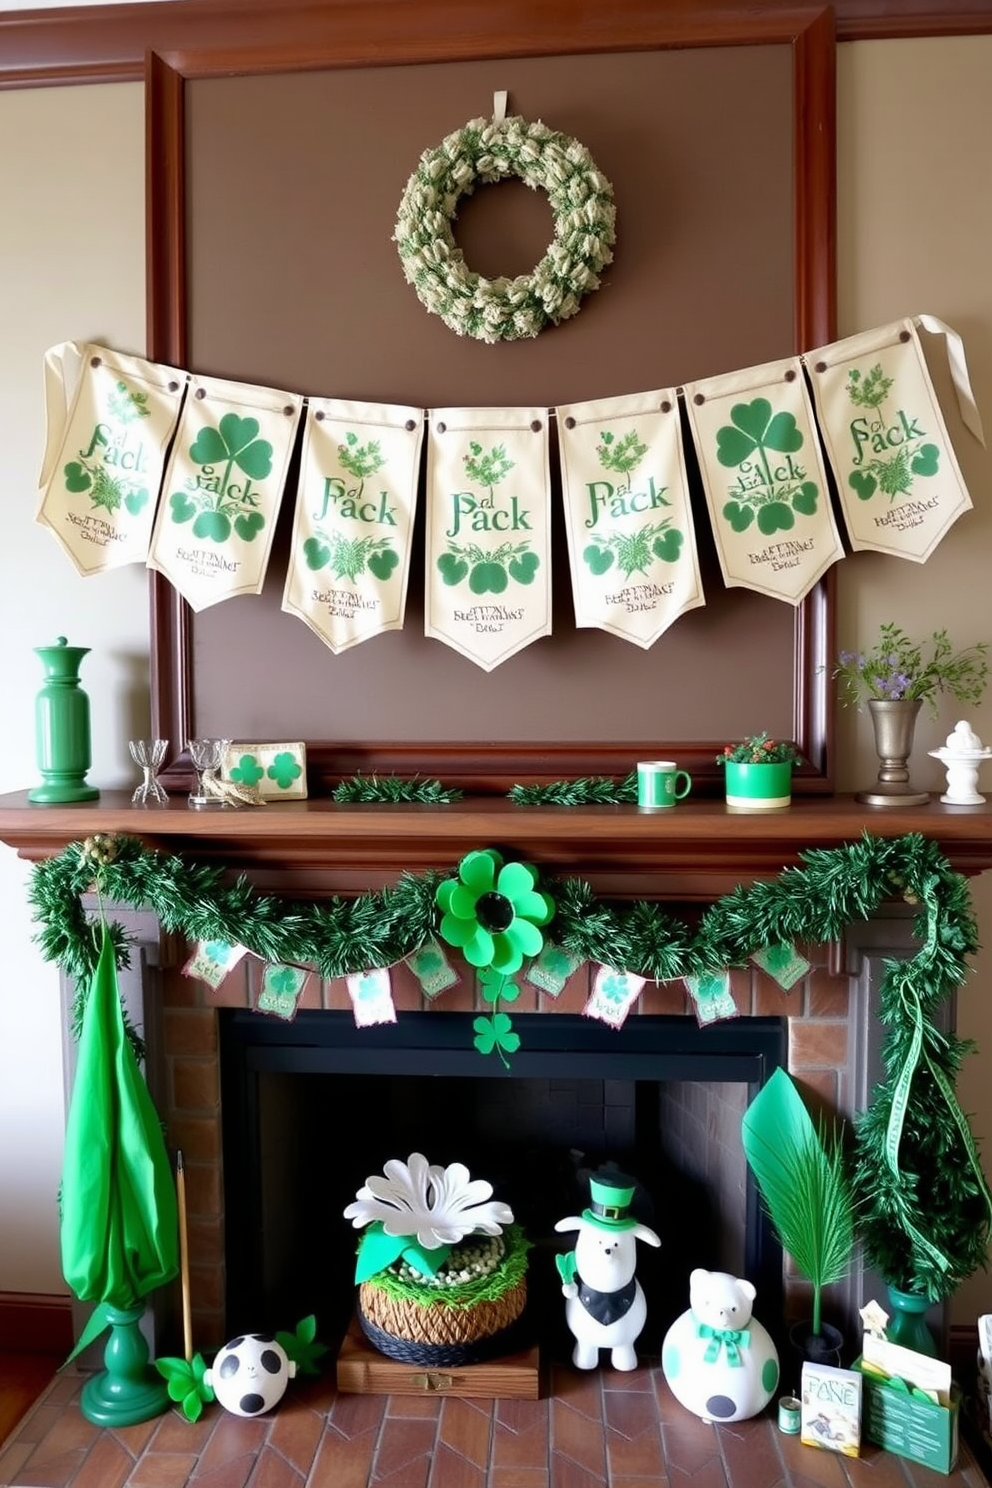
<point>440,1206</point>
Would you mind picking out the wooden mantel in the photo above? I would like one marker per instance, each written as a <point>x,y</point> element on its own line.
<point>694,851</point>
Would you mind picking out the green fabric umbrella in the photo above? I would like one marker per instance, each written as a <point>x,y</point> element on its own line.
<point>120,1231</point>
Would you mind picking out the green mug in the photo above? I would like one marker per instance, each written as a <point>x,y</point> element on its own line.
<point>661,783</point>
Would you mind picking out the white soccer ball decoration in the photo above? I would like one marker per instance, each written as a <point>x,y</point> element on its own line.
<point>250,1374</point>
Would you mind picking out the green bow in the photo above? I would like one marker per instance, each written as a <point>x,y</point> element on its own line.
<point>733,1340</point>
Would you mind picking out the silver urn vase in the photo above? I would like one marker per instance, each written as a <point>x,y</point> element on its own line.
<point>894,724</point>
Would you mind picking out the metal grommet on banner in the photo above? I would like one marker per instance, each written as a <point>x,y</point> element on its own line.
<point>789,1415</point>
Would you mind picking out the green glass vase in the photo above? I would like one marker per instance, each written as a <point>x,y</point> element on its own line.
<point>907,1325</point>
<point>62,728</point>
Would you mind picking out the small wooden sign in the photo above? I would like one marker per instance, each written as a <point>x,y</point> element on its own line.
<point>362,1370</point>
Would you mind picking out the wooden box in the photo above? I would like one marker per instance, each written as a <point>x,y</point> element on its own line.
<point>362,1370</point>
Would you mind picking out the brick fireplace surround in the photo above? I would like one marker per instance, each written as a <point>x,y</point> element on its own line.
<point>586,1431</point>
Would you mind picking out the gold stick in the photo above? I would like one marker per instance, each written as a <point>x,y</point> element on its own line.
<point>184,1258</point>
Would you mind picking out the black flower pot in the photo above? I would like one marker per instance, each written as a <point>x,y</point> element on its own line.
<point>815,1348</point>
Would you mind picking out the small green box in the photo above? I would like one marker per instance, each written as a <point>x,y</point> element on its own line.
<point>910,1427</point>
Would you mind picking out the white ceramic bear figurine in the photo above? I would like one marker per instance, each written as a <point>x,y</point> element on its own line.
<point>719,1361</point>
<point>605,1306</point>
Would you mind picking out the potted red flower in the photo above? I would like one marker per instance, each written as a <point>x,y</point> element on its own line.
<point>758,773</point>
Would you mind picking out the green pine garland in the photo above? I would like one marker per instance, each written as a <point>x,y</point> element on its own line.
<point>361,789</point>
<point>588,790</point>
<point>925,1208</point>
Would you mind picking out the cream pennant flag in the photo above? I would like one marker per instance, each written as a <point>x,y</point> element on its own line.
<point>612,996</point>
<point>488,561</point>
<point>222,489</point>
<point>350,556</point>
<point>765,484</point>
<point>110,418</point>
<point>371,994</point>
<point>898,479</point>
<point>631,541</point>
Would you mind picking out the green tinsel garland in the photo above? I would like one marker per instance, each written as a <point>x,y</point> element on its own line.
<point>925,1208</point>
<point>588,790</point>
<point>361,789</point>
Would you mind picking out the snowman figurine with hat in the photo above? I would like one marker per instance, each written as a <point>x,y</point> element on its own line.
<point>605,1307</point>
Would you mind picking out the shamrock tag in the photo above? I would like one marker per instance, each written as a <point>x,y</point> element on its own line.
<point>711,995</point>
<point>371,994</point>
<point>212,960</point>
<point>432,969</point>
<point>783,963</point>
<point>551,969</point>
<point>613,995</point>
<point>282,987</point>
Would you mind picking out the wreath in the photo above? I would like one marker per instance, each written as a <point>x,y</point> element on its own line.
<point>488,151</point>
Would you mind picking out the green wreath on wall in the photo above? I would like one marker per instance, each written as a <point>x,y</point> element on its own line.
<point>925,1206</point>
<point>487,151</point>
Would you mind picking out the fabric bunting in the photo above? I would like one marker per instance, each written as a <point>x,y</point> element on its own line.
<point>631,542</point>
<point>205,514</point>
<point>765,486</point>
<point>613,995</point>
<point>110,418</point>
<point>350,555</point>
<point>371,994</point>
<point>898,479</point>
<point>488,579</point>
<point>217,517</point>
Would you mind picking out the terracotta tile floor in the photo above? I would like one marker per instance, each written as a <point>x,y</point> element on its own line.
<point>599,1430</point>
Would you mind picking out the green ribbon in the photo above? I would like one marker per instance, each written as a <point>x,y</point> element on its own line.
<point>732,1340</point>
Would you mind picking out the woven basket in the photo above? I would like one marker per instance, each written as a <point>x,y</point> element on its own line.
<point>436,1324</point>
<point>441,1336</point>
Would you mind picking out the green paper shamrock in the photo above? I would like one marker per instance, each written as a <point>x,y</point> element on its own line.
<point>495,1033</point>
<point>247,771</point>
<point>186,1384</point>
<point>284,769</point>
<point>302,1346</point>
<point>492,911</point>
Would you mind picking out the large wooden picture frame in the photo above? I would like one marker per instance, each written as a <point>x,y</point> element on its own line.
<point>378,35</point>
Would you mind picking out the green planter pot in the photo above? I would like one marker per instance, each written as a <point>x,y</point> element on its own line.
<point>758,787</point>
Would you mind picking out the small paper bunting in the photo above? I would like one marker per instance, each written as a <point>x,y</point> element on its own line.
<point>432,969</point>
<point>550,970</point>
<point>613,995</point>
<point>282,987</point>
<point>371,994</point>
<point>783,963</point>
<point>212,960</point>
<point>711,996</point>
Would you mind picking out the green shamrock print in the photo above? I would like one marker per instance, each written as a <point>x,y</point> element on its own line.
<point>926,460</point>
<point>490,571</point>
<point>217,951</point>
<point>863,484</point>
<point>284,769</point>
<point>767,492</point>
<point>106,490</point>
<point>284,981</point>
<point>247,771</point>
<point>350,556</point>
<point>634,551</point>
<point>615,987</point>
<point>219,503</point>
<point>316,553</point>
<point>367,987</point>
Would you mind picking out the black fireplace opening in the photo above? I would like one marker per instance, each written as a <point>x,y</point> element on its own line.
<point>313,1106</point>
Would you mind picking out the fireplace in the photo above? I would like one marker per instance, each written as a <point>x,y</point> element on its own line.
<point>312,1107</point>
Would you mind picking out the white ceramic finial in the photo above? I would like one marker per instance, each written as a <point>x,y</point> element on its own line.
<point>962,755</point>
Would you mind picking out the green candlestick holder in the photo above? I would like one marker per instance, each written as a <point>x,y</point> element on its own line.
<point>62,728</point>
<point>128,1390</point>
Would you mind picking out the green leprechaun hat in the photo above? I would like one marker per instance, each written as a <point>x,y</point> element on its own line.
<point>611,1195</point>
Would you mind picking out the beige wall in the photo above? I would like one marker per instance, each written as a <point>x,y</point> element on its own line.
<point>915,227</point>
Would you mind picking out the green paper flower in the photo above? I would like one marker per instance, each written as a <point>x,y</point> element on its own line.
<point>492,911</point>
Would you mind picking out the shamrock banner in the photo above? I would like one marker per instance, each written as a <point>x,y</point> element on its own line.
<point>350,556</point>
<point>898,479</point>
<point>110,418</point>
<point>631,543</point>
<point>765,485</point>
<point>488,562</point>
<point>222,489</point>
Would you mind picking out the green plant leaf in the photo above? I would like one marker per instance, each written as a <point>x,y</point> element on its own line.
<point>803,1183</point>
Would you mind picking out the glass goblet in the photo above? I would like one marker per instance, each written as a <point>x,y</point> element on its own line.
<point>150,755</point>
<point>207,756</point>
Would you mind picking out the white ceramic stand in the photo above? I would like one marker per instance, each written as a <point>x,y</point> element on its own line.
<point>962,755</point>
